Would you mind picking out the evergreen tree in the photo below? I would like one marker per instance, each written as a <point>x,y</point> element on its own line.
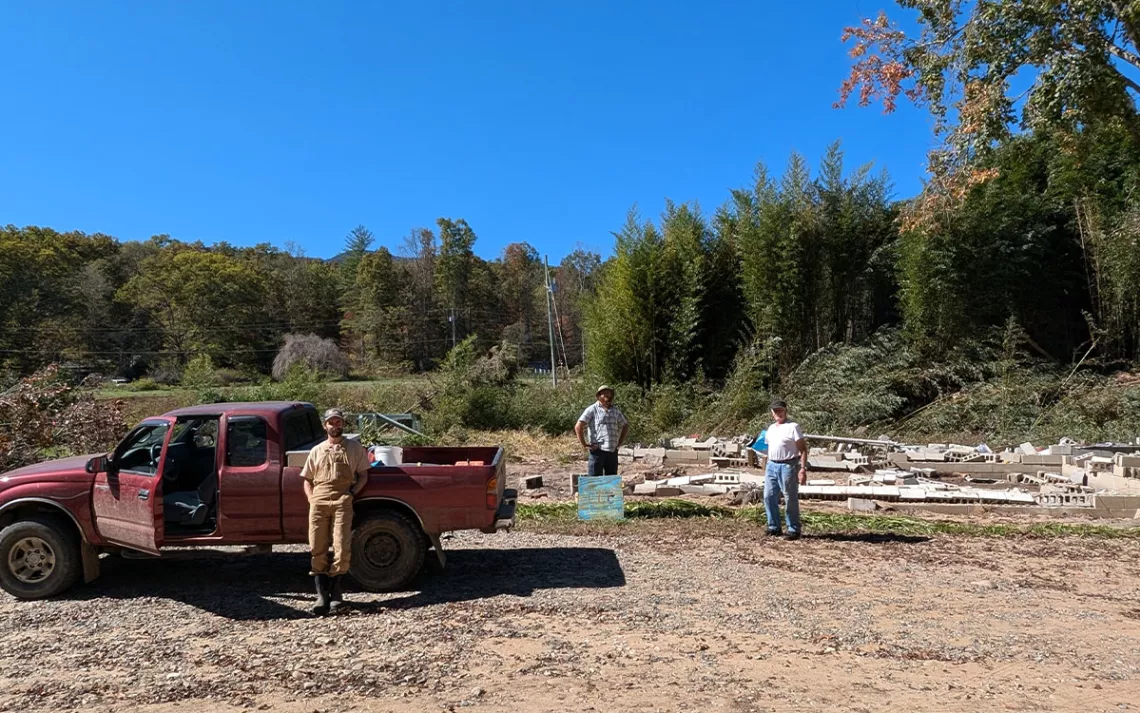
<point>453,270</point>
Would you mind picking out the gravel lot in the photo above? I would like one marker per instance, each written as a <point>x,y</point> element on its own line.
<point>656,616</point>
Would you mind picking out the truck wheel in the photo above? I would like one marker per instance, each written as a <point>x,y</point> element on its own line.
<point>387,551</point>
<point>39,557</point>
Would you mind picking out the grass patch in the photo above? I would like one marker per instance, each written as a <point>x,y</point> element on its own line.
<point>520,445</point>
<point>821,523</point>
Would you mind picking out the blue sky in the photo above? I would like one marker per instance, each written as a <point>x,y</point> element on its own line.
<point>285,122</point>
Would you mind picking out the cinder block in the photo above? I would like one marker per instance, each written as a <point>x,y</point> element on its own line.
<point>686,456</point>
<point>860,505</point>
<point>1127,461</point>
<point>691,480</point>
<point>1117,505</point>
<point>1041,460</point>
<point>704,489</point>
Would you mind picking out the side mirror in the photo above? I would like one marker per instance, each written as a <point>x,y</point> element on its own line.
<point>98,464</point>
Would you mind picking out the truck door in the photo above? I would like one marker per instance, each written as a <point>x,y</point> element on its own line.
<point>249,496</point>
<point>127,497</point>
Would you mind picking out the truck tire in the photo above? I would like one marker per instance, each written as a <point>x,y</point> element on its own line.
<point>39,558</point>
<point>387,551</point>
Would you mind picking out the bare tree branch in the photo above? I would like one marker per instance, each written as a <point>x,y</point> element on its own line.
<point>1121,53</point>
<point>1127,80</point>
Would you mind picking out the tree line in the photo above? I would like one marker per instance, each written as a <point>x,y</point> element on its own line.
<point>96,304</point>
<point>786,266</point>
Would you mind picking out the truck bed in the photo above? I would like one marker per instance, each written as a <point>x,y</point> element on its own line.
<point>446,487</point>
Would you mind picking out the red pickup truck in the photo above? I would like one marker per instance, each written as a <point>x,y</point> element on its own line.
<point>229,474</point>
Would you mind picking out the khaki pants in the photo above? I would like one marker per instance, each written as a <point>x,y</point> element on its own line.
<point>330,523</point>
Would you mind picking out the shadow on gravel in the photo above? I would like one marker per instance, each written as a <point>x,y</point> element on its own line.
<point>249,587</point>
<point>873,538</point>
<point>477,574</point>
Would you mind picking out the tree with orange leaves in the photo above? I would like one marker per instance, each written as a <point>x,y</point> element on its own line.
<point>987,68</point>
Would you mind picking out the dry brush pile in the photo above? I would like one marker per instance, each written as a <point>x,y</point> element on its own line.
<point>44,416</point>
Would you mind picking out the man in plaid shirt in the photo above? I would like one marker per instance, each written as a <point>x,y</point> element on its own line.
<point>601,429</point>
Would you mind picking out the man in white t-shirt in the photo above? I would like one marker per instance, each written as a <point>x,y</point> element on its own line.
<point>786,470</point>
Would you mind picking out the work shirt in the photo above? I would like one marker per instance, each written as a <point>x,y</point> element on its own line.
<point>603,425</point>
<point>782,439</point>
<point>332,467</point>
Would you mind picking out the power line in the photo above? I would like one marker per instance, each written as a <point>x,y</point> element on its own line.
<point>550,323</point>
<point>561,339</point>
<point>282,325</point>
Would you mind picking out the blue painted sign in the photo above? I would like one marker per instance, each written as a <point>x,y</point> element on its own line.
<point>600,497</point>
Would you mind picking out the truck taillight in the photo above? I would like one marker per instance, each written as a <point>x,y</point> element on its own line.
<point>493,492</point>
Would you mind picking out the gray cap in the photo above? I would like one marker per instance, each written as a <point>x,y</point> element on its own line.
<point>333,413</point>
<point>777,403</point>
<point>604,387</point>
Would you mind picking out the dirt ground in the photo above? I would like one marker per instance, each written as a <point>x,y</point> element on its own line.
<point>653,616</point>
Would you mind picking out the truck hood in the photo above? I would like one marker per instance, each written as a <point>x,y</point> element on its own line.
<point>63,469</point>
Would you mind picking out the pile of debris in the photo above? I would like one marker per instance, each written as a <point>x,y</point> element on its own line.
<point>705,484</point>
<point>718,452</point>
<point>1066,475</point>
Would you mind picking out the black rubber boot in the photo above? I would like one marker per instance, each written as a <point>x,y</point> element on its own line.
<point>322,606</point>
<point>336,597</point>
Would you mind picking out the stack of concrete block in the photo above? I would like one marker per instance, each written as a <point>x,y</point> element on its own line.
<point>856,457</point>
<point>693,443</point>
<point>1100,464</point>
<point>1051,496</point>
<point>1126,466</point>
<point>704,484</point>
<point>828,462</point>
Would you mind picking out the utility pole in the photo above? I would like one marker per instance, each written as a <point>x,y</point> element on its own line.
<point>550,321</point>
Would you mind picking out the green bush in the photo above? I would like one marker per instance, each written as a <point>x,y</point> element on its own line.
<point>479,407</point>
<point>554,410</point>
<point>200,373</point>
<point>671,409</point>
<point>229,377</point>
<point>843,387</point>
<point>300,384</point>
<point>474,391</point>
<point>144,384</point>
<point>396,396</point>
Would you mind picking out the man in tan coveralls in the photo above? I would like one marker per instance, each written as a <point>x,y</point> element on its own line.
<point>334,472</point>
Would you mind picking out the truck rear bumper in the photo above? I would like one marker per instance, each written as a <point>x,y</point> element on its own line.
<point>505,515</point>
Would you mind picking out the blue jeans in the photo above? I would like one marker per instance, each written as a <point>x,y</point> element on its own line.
<point>782,479</point>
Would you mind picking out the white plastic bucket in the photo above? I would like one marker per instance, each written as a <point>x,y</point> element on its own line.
<point>388,455</point>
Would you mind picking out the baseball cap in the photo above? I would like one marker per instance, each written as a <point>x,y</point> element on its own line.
<point>603,387</point>
<point>777,403</point>
<point>332,413</point>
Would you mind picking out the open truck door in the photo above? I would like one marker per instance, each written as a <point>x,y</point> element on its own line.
<point>127,495</point>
